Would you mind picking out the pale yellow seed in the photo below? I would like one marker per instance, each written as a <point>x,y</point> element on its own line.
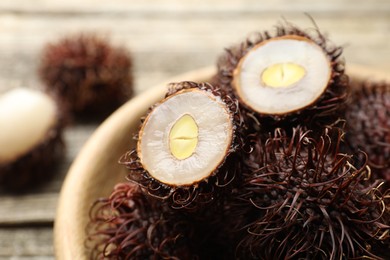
<point>282,75</point>
<point>183,137</point>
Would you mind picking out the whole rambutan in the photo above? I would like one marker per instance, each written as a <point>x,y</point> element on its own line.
<point>130,225</point>
<point>368,123</point>
<point>31,127</point>
<point>303,199</point>
<point>87,74</point>
<point>188,146</point>
<point>291,75</point>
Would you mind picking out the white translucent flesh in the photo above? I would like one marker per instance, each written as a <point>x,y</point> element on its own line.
<point>269,100</point>
<point>214,138</point>
<point>25,118</point>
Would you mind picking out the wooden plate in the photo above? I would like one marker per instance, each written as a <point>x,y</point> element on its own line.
<point>95,170</point>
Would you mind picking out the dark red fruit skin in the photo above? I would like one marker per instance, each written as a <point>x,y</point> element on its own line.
<point>303,199</point>
<point>130,225</point>
<point>325,110</point>
<point>193,197</point>
<point>86,74</point>
<point>368,125</point>
<point>36,166</point>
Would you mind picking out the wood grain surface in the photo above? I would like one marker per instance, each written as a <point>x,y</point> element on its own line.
<point>166,38</point>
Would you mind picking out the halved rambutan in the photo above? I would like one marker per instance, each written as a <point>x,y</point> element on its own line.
<point>187,145</point>
<point>292,74</point>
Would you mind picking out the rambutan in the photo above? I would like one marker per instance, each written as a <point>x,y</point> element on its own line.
<point>87,74</point>
<point>303,199</point>
<point>30,138</point>
<point>368,123</point>
<point>291,75</point>
<point>130,225</point>
<point>188,146</point>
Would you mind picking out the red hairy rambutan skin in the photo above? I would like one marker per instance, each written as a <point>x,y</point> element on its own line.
<point>130,225</point>
<point>87,74</point>
<point>303,199</point>
<point>326,109</point>
<point>36,166</point>
<point>368,124</point>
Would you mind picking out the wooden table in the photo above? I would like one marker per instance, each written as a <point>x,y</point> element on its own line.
<point>166,38</point>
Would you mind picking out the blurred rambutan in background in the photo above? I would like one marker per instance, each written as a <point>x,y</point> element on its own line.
<point>88,75</point>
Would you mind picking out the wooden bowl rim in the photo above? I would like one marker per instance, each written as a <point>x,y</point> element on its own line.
<point>69,227</point>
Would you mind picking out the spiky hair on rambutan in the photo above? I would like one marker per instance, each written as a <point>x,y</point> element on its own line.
<point>291,74</point>
<point>87,74</point>
<point>36,166</point>
<point>307,200</point>
<point>188,146</point>
<point>368,122</point>
<point>130,225</point>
